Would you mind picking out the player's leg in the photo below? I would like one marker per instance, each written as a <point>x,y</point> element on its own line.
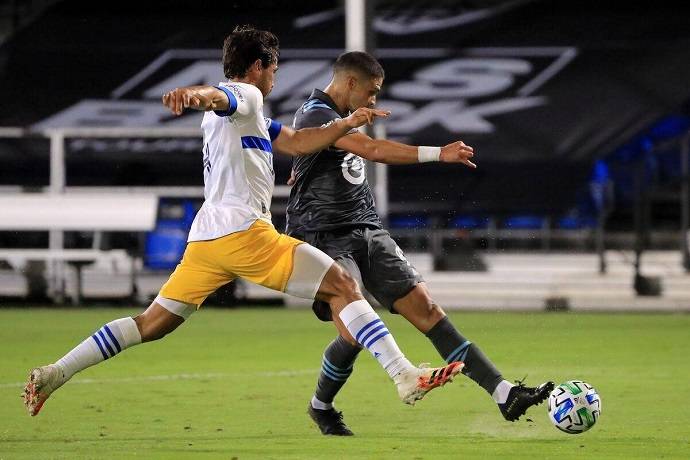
<point>187,283</point>
<point>420,310</point>
<point>279,262</point>
<point>331,283</point>
<point>336,366</point>
<point>339,289</point>
<point>340,355</point>
<point>400,288</point>
<point>108,341</point>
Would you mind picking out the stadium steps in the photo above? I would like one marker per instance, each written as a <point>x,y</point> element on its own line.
<point>519,281</point>
<point>529,281</point>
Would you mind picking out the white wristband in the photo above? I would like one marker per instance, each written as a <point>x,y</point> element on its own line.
<point>426,154</point>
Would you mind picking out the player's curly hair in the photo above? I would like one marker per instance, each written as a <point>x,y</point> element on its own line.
<point>244,46</point>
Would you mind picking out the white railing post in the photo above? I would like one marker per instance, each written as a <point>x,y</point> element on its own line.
<point>356,25</point>
<point>381,181</point>
<point>56,239</point>
<point>685,202</point>
<point>57,160</point>
<point>359,36</point>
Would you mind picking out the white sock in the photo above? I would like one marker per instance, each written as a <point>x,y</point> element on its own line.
<point>500,394</point>
<point>367,328</point>
<point>103,344</point>
<point>316,404</point>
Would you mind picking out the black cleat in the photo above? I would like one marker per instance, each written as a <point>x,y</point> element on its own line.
<point>329,421</point>
<point>521,398</point>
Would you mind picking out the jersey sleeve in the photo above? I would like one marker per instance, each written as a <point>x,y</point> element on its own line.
<point>243,100</point>
<point>314,117</point>
<point>273,127</point>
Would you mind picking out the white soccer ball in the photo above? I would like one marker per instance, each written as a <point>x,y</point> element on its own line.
<point>574,406</point>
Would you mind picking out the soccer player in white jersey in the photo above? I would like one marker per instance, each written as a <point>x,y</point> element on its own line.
<point>232,235</point>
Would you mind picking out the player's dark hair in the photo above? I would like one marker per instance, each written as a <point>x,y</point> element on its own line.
<point>244,46</point>
<point>361,62</point>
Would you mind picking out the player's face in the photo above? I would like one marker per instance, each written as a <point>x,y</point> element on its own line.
<point>266,79</point>
<point>364,92</point>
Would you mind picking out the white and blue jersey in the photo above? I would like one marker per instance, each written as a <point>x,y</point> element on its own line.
<point>238,165</point>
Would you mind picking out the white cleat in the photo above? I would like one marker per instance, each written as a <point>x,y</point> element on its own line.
<point>414,384</point>
<point>42,382</point>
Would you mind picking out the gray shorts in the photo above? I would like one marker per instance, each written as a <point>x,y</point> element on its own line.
<point>373,258</point>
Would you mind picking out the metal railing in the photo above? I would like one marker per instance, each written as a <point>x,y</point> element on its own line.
<point>58,184</point>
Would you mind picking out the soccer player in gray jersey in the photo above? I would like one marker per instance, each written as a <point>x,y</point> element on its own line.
<point>331,207</point>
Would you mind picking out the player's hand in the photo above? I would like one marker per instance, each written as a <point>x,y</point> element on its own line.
<point>180,99</point>
<point>292,179</point>
<point>457,152</point>
<point>364,115</point>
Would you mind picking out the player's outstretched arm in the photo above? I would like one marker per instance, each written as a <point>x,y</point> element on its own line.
<point>309,140</point>
<point>391,152</point>
<point>195,97</point>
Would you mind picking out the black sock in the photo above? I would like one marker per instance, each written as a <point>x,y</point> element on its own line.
<point>338,359</point>
<point>454,347</point>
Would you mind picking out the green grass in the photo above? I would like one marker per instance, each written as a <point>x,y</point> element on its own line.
<point>235,384</point>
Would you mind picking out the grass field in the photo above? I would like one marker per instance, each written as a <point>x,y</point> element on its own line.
<point>234,384</point>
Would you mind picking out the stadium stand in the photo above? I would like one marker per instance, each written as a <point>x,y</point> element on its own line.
<point>553,143</point>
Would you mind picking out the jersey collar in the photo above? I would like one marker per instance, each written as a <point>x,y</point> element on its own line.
<point>318,94</point>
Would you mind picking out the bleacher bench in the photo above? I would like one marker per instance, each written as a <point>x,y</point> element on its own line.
<point>73,212</point>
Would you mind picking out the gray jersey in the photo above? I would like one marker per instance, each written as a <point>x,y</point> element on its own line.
<point>331,189</point>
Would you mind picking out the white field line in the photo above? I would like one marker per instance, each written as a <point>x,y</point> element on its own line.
<point>156,378</point>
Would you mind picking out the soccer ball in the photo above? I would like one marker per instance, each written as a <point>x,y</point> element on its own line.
<point>574,406</point>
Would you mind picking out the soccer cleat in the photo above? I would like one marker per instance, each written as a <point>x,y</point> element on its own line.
<point>329,421</point>
<point>520,398</point>
<point>42,382</point>
<point>414,384</point>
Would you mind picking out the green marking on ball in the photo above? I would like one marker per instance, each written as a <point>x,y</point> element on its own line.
<point>586,416</point>
<point>572,387</point>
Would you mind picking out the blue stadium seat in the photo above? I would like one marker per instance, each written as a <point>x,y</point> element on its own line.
<point>409,221</point>
<point>524,222</point>
<point>469,222</point>
<point>576,222</point>
<point>165,245</point>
